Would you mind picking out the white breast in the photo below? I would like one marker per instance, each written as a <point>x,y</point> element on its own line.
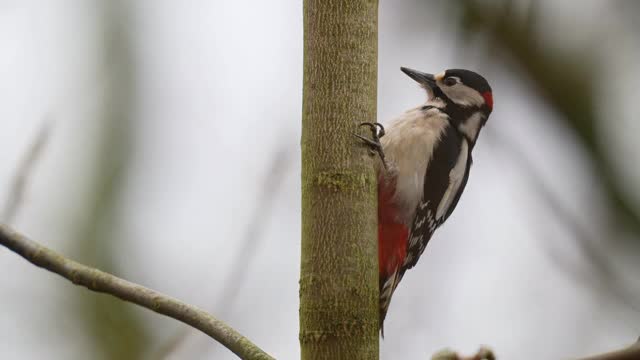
<point>408,144</point>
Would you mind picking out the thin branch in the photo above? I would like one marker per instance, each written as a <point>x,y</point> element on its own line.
<point>102,282</point>
<point>23,173</point>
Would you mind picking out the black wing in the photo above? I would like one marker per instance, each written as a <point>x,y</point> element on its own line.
<point>447,153</point>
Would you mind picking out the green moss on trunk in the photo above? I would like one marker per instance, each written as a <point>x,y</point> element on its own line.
<point>339,276</point>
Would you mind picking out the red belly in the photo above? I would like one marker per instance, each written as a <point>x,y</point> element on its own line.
<point>392,234</point>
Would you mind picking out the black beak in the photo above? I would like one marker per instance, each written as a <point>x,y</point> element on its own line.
<point>423,79</point>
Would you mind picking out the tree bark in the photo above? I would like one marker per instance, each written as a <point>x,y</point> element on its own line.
<point>339,265</point>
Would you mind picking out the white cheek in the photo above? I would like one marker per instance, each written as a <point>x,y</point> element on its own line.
<point>463,95</point>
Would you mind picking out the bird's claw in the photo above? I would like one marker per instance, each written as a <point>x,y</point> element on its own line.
<point>377,131</point>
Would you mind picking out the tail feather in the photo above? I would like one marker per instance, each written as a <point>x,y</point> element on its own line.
<point>387,287</point>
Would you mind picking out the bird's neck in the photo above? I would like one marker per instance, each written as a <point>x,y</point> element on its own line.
<point>470,125</point>
<point>466,120</point>
<point>436,103</point>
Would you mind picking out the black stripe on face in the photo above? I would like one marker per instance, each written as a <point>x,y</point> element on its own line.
<point>459,115</point>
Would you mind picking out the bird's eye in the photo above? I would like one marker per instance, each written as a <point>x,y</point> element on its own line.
<point>450,81</point>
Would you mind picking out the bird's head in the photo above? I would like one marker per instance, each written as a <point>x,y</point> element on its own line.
<point>462,94</point>
<point>456,87</point>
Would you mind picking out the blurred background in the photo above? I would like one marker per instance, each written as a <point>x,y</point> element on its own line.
<point>159,140</point>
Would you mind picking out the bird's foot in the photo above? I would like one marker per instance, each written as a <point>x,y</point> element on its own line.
<point>377,131</point>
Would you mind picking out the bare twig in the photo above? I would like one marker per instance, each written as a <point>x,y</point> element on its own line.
<point>23,173</point>
<point>102,282</point>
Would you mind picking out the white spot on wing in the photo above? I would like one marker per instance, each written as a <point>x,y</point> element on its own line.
<point>456,175</point>
<point>408,258</point>
<point>421,248</point>
<point>414,240</point>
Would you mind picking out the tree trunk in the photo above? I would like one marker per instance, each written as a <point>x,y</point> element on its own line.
<point>339,267</point>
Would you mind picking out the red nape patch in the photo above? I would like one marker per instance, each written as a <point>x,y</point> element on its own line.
<point>392,234</point>
<point>488,99</point>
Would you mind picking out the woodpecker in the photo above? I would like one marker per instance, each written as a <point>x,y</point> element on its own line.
<point>425,160</point>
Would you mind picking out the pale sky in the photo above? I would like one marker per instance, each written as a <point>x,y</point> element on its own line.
<point>218,93</point>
